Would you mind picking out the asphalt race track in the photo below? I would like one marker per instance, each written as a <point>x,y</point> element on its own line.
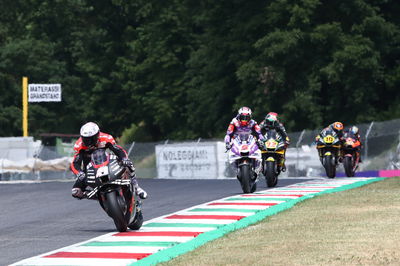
<point>40,217</point>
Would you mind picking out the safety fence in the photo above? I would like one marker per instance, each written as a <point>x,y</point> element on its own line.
<point>22,158</point>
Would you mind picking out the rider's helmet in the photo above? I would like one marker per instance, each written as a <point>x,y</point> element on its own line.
<point>90,133</point>
<point>244,116</point>
<point>337,126</point>
<point>271,120</point>
<point>354,130</point>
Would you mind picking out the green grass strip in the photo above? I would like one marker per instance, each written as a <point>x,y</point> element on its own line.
<point>182,248</point>
<point>257,199</point>
<point>181,225</point>
<point>131,243</point>
<point>223,210</point>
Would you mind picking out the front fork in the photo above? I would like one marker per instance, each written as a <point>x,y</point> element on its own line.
<point>256,167</point>
<point>338,153</point>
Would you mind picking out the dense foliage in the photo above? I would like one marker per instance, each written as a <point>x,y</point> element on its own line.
<point>180,68</point>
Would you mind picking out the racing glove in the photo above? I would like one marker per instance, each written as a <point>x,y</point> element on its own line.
<point>127,163</point>
<point>260,144</point>
<point>228,146</point>
<point>81,175</point>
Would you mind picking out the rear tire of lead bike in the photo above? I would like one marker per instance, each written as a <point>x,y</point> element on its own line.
<point>245,178</point>
<point>348,166</point>
<point>137,223</point>
<point>330,167</point>
<point>114,210</point>
<point>270,174</point>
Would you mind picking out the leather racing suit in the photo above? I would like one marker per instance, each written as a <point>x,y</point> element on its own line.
<point>83,153</point>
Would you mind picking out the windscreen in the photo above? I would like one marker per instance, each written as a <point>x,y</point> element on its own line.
<point>99,157</point>
<point>243,137</point>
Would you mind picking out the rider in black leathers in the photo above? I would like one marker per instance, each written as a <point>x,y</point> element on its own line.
<point>271,122</point>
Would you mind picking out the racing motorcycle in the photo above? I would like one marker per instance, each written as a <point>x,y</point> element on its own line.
<point>272,151</point>
<point>351,149</point>
<point>245,156</point>
<point>329,148</point>
<point>110,184</point>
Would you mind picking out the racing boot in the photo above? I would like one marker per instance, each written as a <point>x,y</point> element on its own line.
<point>282,164</point>
<point>141,192</point>
<point>341,155</point>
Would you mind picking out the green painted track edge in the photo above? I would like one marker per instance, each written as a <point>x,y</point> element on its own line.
<point>185,247</point>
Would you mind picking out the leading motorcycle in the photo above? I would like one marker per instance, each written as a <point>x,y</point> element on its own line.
<point>329,149</point>
<point>245,156</point>
<point>351,151</point>
<point>110,184</point>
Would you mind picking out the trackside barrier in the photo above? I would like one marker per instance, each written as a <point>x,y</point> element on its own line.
<point>205,159</point>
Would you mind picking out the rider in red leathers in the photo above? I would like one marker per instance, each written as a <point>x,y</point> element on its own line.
<point>90,140</point>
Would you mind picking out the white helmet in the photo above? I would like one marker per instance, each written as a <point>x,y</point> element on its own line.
<point>89,133</point>
<point>244,115</point>
<point>354,130</point>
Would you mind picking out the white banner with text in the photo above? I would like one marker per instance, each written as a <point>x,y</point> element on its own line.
<point>44,93</point>
<point>187,160</point>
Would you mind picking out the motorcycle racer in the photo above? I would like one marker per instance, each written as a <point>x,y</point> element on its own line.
<point>271,122</point>
<point>242,123</point>
<point>90,140</point>
<point>354,131</point>
<point>337,127</point>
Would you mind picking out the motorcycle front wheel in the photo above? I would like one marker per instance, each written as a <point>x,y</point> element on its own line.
<point>348,166</point>
<point>245,178</point>
<point>330,167</point>
<point>115,211</point>
<point>271,177</point>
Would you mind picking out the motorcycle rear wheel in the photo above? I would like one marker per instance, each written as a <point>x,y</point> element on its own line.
<point>348,166</point>
<point>245,178</point>
<point>114,210</point>
<point>330,167</point>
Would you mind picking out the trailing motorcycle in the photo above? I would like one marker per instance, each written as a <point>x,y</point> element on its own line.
<point>272,151</point>
<point>329,148</point>
<point>245,156</point>
<point>111,185</point>
<point>351,151</point>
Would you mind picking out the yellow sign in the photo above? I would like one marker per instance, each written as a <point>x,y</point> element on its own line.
<point>25,106</point>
